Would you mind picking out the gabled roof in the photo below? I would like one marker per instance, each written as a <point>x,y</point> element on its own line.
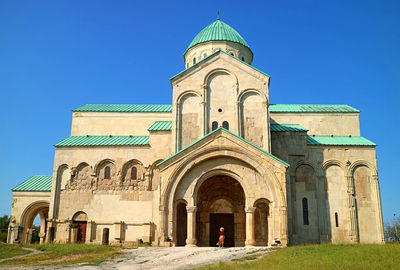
<point>218,129</point>
<point>287,127</point>
<point>218,30</point>
<point>167,108</point>
<point>311,108</point>
<point>208,57</point>
<point>110,140</point>
<point>35,183</point>
<point>123,108</point>
<point>160,125</point>
<point>339,140</point>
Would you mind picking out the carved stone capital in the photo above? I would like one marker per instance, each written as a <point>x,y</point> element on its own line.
<point>191,209</point>
<point>250,210</point>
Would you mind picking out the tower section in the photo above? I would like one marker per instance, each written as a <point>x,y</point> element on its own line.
<point>220,88</point>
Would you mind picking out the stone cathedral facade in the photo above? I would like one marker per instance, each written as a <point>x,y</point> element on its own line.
<point>220,155</point>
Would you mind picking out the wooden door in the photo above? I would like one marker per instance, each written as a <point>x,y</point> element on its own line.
<point>222,220</point>
<point>81,231</point>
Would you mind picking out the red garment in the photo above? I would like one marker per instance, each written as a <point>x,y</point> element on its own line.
<point>221,233</point>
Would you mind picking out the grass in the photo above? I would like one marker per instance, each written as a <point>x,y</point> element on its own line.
<point>65,254</point>
<point>7,251</point>
<point>321,257</point>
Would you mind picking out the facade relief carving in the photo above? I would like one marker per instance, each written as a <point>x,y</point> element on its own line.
<point>133,176</point>
<point>81,178</point>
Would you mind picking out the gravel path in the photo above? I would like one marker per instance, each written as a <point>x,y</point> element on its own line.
<point>172,258</point>
<point>33,252</point>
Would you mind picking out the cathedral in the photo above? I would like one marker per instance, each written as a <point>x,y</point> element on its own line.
<point>220,155</point>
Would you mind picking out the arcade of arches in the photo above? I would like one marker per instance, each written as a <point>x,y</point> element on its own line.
<point>221,203</point>
<point>24,234</point>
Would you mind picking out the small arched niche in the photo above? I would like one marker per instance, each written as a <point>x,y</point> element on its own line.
<point>106,175</point>
<point>253,114</point>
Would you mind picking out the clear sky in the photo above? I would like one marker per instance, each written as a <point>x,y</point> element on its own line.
<point>58,55</point>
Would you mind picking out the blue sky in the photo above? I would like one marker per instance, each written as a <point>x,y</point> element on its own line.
<point>58,55</point>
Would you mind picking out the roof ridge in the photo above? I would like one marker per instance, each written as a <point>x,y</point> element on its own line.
<point>214,131</point>
<point>214,53</point>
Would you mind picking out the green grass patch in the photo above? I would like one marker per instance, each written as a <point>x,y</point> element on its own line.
<point>322,257</point>
<point>7,251</point>
<point>65,254</point>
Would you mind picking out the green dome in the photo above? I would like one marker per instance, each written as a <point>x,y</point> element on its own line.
<point>218,30</point>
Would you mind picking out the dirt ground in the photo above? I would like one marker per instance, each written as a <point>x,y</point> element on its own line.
<point>173,258</point>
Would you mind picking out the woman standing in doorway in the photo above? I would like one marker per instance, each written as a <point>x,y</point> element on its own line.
<point>221,237</point>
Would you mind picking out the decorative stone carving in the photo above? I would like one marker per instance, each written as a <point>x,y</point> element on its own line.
<point>103,183</point>
<point>129,182</point>
<point>81,178</point>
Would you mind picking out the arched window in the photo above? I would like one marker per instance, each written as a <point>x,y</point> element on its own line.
<point>225,125</point>
<point>305,212</point>
<point>214,125</point>
<point>194,60</point>
<point>107,173</point>
<point>205,55</point>
<point>232,53</point>
<point>336,219</point>
<point>243,59</point>
<point>134,173</point>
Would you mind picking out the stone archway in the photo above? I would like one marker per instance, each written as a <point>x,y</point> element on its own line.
<point>181,219</point>
<point>261,222</point>
<point>222,153</point>
<point>78,228</point>
<point>40,208</point>
<point>220,203</point>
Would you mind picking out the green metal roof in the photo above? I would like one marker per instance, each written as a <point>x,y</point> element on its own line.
<point>123,108</point>
<point>339,140</point>
<point>221,128</point>
<point>217,51</point>
<point>309,108</point>
<point>287,127</point>
<point>218,30</point>
<point>274,108</point>
<point>90,140</point>
<point>160,125</point>
<point>35,183</point>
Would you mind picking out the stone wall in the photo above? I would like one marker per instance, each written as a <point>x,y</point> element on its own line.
<point>341,186</point>
<point>325,124</point>
<point>114,123</point>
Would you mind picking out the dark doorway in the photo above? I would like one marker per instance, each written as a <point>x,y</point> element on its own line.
<point>81,231</point>
<point>181,225</point>
<point>222,220</point>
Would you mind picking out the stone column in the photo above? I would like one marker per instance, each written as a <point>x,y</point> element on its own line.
<point>191,226</point>
<point>42,233</point>
<point>89,228</point>
<point>163,223</point>
<point>381,235</point>
<point>352,210</point>
<point>74,233</point>
<point>250,241</point>
<point>284,232</point>
<point>204,88</point>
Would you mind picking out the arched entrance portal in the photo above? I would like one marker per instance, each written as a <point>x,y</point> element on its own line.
<point>261,216</point>
<point>181,217</point>
<point>79,227</point>
<point>41,209</point>
<point>220,203</point>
